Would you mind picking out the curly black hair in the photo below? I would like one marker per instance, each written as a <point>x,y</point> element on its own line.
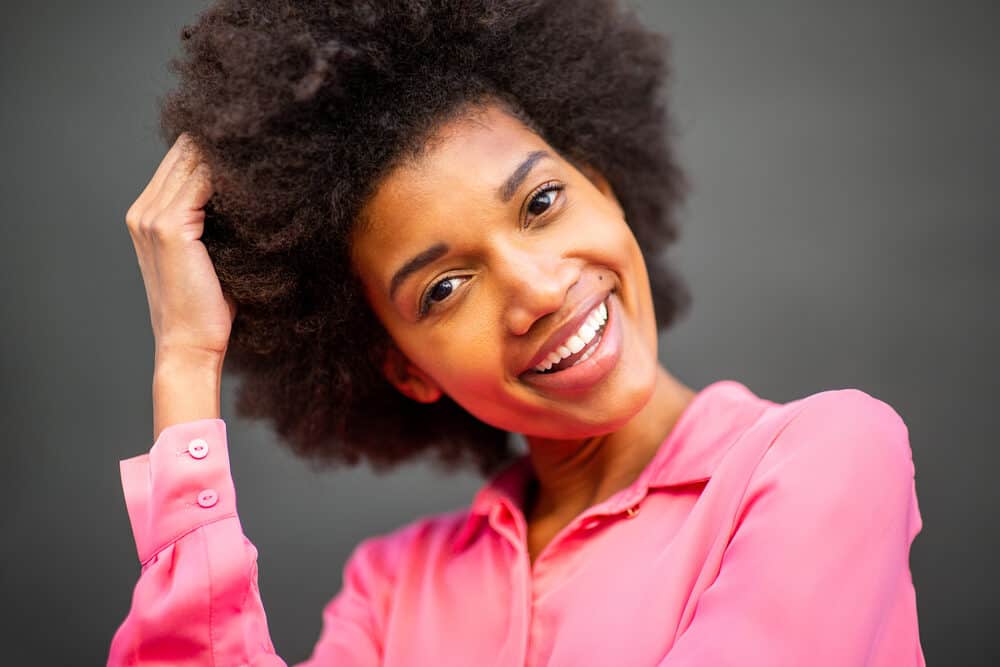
<point>300,107</point>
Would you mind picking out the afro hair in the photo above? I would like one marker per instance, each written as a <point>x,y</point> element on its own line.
<point>300,108</point>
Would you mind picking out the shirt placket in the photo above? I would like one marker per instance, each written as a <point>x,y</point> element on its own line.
<point>531,581</point>
<point>503,519</point>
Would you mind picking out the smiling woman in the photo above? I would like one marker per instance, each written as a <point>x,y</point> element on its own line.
<point>303,111</point>
<point>542,246</point>
<point>418,228</point>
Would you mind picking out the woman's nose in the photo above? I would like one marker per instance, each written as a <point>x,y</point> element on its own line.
<point>534,285</point>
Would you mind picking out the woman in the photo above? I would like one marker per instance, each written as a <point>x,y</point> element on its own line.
<point>417,228</point>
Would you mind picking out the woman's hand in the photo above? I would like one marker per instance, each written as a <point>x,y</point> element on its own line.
<point>188,311</point>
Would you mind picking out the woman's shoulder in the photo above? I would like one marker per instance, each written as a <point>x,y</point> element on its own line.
<point>730,421</point>
<point>848,411</point>
<point>846,433</point>
<point>733,399</point>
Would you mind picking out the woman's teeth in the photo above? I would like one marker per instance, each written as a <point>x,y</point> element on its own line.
<point>576,342</point>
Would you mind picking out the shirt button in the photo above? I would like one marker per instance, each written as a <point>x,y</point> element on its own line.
<point>198,448</point>
<point>632,511</point>
<point>208,498</point>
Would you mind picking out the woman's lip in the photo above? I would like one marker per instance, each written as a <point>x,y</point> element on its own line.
<point>568,328</point>
<point>590,371</point>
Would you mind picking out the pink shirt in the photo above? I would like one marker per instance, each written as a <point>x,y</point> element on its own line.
<point>760,534</point>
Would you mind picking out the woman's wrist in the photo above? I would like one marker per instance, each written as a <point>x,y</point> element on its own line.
<point>186,387</point>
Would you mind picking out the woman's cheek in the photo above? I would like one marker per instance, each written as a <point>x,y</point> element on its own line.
<point>607,244</point>
<point>467,368</point>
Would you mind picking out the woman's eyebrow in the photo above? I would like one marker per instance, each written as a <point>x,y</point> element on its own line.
<point>513,182</point>
<point>415,264</point>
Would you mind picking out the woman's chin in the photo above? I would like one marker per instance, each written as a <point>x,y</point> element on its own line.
<point>598,417</point>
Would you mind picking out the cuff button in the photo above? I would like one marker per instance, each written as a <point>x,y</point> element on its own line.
<point>208,498</point>
<point>198,448</point>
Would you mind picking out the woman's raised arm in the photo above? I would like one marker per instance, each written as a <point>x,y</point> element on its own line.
<point>196,601</point>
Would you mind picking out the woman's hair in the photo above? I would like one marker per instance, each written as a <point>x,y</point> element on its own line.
<point>300,108</point>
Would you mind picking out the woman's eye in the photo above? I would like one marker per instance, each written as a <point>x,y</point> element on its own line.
<point>438,292</point>
<point>542,200</point>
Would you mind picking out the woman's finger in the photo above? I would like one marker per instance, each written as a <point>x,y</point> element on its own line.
<point>168,162</point>
<point>195,192</point>
<point>175,179</point>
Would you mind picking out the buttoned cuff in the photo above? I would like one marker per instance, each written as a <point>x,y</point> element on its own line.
<point>181,484</point>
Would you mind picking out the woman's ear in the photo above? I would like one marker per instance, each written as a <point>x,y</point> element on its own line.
<point>410,380</point>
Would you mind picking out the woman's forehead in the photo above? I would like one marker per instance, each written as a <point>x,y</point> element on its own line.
<point>463,171</point>
<point>473,151</point>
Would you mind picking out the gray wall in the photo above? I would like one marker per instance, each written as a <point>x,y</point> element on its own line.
<point>842,232</point>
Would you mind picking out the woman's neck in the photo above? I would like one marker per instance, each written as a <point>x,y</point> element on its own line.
<point>573,475</point>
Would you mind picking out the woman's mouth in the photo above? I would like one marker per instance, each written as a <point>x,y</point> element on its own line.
<point>579,345</point>
<point>594,350</point>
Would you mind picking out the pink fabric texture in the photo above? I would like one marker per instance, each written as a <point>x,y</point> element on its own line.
<point>762,533</point>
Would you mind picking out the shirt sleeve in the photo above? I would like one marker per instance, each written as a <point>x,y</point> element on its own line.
<point>197,600</point>
<point>817,568</point>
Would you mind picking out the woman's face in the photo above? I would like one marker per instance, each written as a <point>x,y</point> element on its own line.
<point>484,256</point>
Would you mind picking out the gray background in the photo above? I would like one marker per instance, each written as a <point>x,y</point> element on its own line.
<point>842,233</point>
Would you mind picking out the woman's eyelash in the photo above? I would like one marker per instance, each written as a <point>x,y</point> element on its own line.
<point>425,300</point>
<point>545,188</point>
